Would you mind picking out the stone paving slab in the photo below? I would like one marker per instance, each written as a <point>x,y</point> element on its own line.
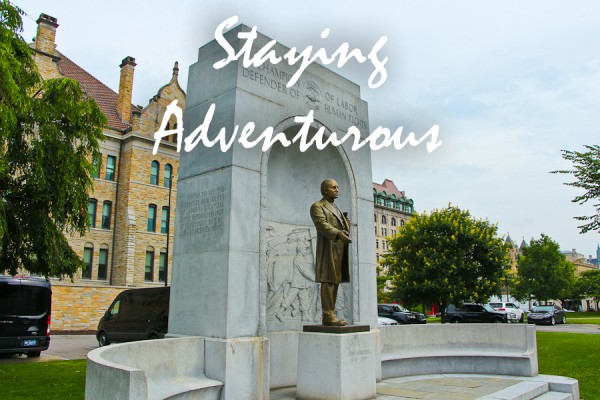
<point>446,387</point>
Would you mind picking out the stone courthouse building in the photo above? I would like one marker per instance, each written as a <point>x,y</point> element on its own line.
<point>392,210</point>
<point>132,206</point>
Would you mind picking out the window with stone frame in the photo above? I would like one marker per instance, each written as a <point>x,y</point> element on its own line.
<point>92,206</point>
<point>149,265</point>
<point>383,232</point>
<point>393,221</point>
<point>164,223</point>
<point>96,165</point>
<point>106,214</point>
<point>154,172</point>
<point>162,265</point>
<point>151,226</point>
<point>103,262</point>
<point>383,219</point>
<point>88,254</point>
<point>111,162</point>
<point>167,175</point>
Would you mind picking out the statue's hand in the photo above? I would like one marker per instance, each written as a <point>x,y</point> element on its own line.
<point>344,236</point>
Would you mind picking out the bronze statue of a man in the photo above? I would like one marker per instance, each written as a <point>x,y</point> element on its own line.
<point>333,238</point>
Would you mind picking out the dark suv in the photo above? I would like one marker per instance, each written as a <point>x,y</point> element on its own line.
<point>25,305</point>
<point>400,314</point>
<point>472,312</point>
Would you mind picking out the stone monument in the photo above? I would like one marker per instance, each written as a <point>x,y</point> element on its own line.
<point>244,251</point>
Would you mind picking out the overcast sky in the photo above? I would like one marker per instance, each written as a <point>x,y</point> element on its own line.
<point>510,84</point>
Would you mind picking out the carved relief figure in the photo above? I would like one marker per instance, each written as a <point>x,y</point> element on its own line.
<point>291,274</point>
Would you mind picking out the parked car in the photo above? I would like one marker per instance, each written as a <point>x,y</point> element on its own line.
<point>381,321</point>
<point>400,314</point>
<point>135,314</point>
<point>510,307</point>
<point>473,312</point>
<point>550,314</point>
<point>25,314</point>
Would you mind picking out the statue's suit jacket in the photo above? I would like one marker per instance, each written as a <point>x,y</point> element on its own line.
<point>332,253</point>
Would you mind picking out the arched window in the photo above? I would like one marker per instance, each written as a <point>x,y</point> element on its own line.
<point>149,267</point>
<point>88,254</point>
<point>106,213</point>
<point>92,205</point>
<point>393,222</point>
<point>375,215</point>
<point>154,172</point>
<point>151,227</point>
<point>164,223</point>
<point>383,219</point>
<point>167,175</point>
<point>102,261</point>
<point>401,222</point>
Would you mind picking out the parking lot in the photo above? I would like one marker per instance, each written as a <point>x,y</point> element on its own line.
<point>62,347</point>
<point>73,347</point>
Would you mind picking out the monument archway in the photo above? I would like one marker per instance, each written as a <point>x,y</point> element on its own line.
<point>290,181</point>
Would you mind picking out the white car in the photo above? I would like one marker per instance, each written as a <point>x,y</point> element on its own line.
<point>509,308</point>
<point>385,321</point>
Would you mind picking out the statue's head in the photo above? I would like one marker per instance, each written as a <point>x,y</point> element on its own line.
<point>326,188</point>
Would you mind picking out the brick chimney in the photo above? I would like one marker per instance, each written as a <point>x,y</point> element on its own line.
<point>126,88</point>
<point>46,34</point>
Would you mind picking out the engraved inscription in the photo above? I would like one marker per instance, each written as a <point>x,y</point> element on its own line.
<point>277,79</point>
<point>358,353</point>
<point>201,212</point>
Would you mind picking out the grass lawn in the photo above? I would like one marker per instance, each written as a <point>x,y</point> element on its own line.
<point>583,318</point>
<point>574,355</point>
<point>43,380</point>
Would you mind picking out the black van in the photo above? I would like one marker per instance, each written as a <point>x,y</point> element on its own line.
<point>135,314</point>
<point>25,313</point>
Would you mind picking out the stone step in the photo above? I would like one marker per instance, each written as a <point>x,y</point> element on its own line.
<point>524,390</point>
<point>555,396</point>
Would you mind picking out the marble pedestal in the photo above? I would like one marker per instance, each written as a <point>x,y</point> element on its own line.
<point>336,366</point>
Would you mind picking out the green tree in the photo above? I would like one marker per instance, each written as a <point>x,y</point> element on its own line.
<point>49,132</point>
<point>588,285</point>
<point>587,175</point>
<point>446,257</point>
<point>544,272</point>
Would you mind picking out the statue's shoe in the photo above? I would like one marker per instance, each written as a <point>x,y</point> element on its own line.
<point>335,322</point>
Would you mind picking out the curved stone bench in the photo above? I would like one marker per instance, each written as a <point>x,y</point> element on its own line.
<point>502,349</point>
<point>150,369</point>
